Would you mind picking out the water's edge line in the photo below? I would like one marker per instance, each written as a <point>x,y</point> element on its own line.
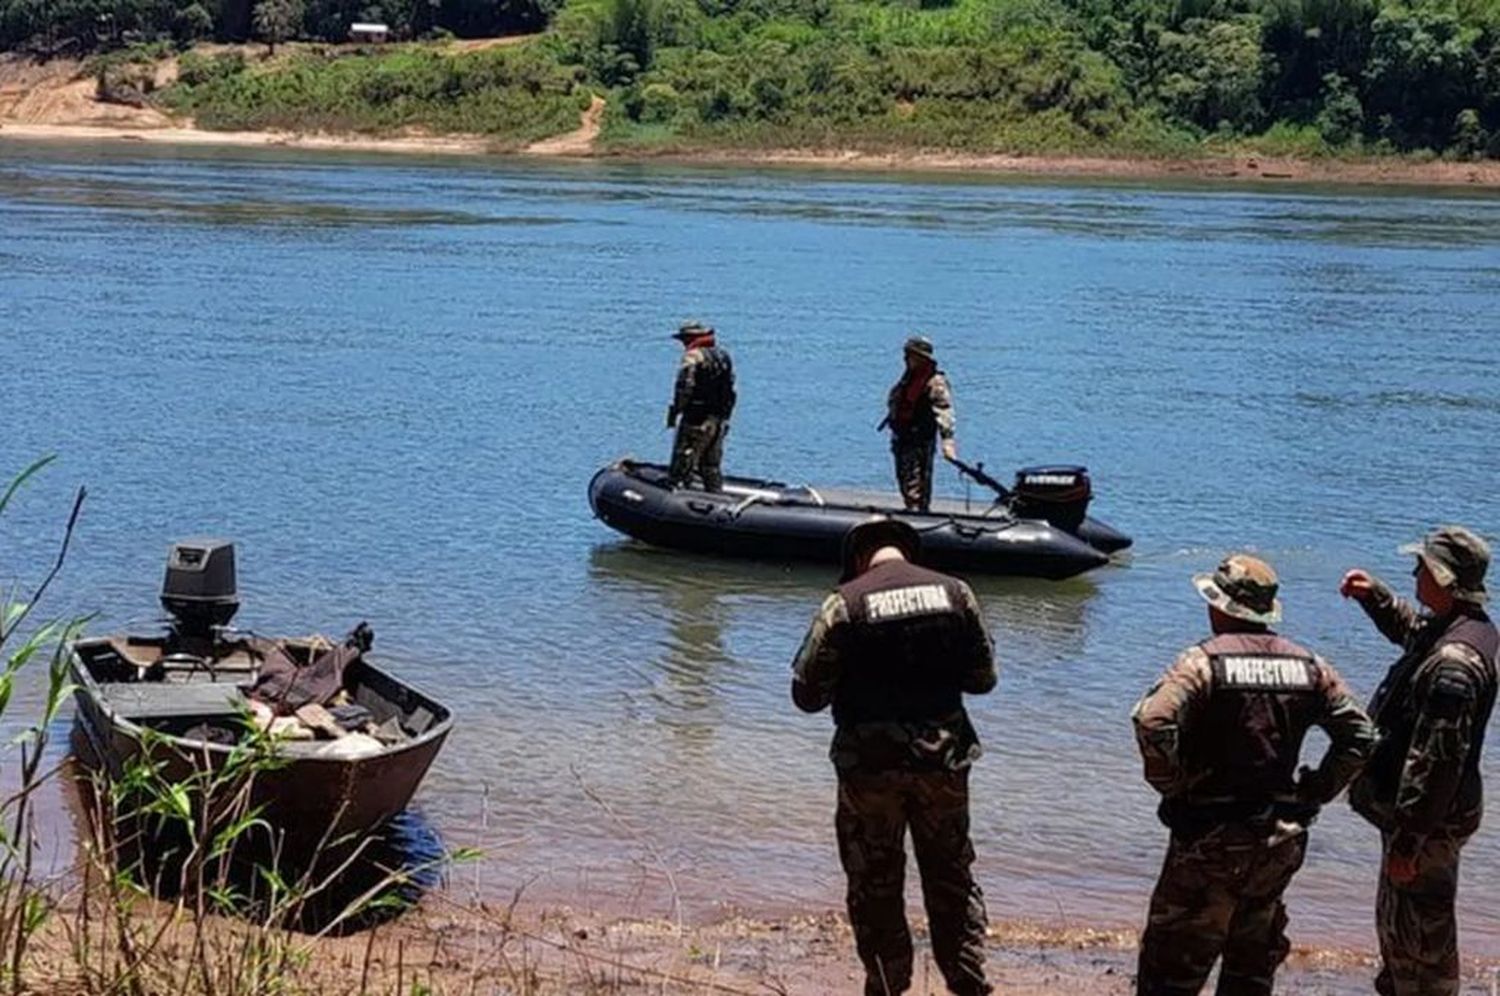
<point>1236,169</point>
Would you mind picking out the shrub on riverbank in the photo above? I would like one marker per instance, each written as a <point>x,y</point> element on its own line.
<point>516,94</point>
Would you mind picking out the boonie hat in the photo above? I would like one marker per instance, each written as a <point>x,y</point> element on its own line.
<point>921,345</point>
<point>872,534</point>
<point>1243,587</point>
<point>691,330</point>
<point>1457,558</point>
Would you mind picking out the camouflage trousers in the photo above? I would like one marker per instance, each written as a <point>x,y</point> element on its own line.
<point>1416,924</point>
<point>1219,895</point>
<point>914,470</point>
<point>875,810</point>
<point>699,449</point>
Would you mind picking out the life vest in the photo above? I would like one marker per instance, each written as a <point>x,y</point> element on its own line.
<point>904,627</point>
<point>899,699</point>
<point>1394,710</point>
<point>713,385</point>
<point>1265,696</point>
<point>910,405</point>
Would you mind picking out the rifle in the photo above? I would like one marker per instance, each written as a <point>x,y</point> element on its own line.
<point>975,472</point>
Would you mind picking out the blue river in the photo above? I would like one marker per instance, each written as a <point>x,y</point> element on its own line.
<point>389,380</point>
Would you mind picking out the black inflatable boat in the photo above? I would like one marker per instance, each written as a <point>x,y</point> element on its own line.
<point>1040,529</point>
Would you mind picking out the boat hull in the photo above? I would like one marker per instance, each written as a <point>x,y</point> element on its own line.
<point>767,520</point>
<point>309,802</point>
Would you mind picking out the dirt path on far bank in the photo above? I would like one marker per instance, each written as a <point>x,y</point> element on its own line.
<point>480,44</point>
<point>574,143</point>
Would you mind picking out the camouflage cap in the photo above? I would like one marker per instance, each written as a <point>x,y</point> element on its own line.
<point>872,534</point>
<point>692,329</point>
<point>1457,558</point>
<point>919,344</point>
<point>1243,587</point>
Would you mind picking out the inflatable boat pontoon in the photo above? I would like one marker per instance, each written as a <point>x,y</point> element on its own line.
<point>1039,530</point>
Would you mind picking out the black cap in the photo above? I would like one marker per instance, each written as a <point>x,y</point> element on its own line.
<point>872,534</point>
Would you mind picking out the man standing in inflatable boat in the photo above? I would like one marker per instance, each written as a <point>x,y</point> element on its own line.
<point>702,402</point>
<point>918,410</point>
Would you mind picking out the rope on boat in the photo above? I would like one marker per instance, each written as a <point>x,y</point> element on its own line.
<point>744,503</point>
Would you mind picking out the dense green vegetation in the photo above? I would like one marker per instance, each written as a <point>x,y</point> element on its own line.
<point>520,93</point>
<point>1305,77</point>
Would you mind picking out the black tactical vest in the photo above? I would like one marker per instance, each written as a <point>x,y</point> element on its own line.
<point>1394,709</point>
<point>905,631</point>
<point>1248,739</point>
<point>713,386</point>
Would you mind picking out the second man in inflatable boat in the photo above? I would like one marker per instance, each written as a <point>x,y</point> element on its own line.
<point>919,409</point>
<point>702,402</point>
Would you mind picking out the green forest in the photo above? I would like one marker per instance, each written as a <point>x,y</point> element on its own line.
<point>1160,77</point>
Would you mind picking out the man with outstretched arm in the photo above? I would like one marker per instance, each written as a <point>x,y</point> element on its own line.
<point>1221,736</point>
<point>1423,789</point>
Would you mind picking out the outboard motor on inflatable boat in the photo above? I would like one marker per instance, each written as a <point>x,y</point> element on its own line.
<point>199,590</point>
<point>1060,495</point>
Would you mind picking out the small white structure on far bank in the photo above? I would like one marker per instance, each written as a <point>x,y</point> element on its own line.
<point>369,32</point>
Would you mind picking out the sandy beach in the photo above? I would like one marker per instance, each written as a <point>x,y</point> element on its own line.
<point>454,945</point>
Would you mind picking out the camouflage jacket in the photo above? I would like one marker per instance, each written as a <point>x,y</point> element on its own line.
<point>933,412</point>
<point>896,688</point>
<point>1431,710</point>
<point>1169,721</point>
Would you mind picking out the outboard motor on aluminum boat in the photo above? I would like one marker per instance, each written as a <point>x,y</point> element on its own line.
<point>1058,494</point>
<point>199,589</point>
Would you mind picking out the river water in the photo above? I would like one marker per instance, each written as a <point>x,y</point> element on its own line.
<point>389,380</point>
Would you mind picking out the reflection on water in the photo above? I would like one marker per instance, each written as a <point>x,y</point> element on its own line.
<point>393,397</point>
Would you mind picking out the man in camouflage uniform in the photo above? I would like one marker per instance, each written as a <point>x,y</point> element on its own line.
<point>919,409</point>
<point>893,650</point>
<point>1221,734</point>
<point>1423,787</point>
<point>701,405</point>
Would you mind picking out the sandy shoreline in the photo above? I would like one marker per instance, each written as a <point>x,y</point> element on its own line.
<point>1261,171</point>
<point>451,945</point>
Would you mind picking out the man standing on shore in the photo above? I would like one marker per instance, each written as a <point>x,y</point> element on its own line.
<point>1221,734</point>
<point>893,650</point>
<point>919,409</point>
<point>1423,787</point>
<point>702,402</point>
